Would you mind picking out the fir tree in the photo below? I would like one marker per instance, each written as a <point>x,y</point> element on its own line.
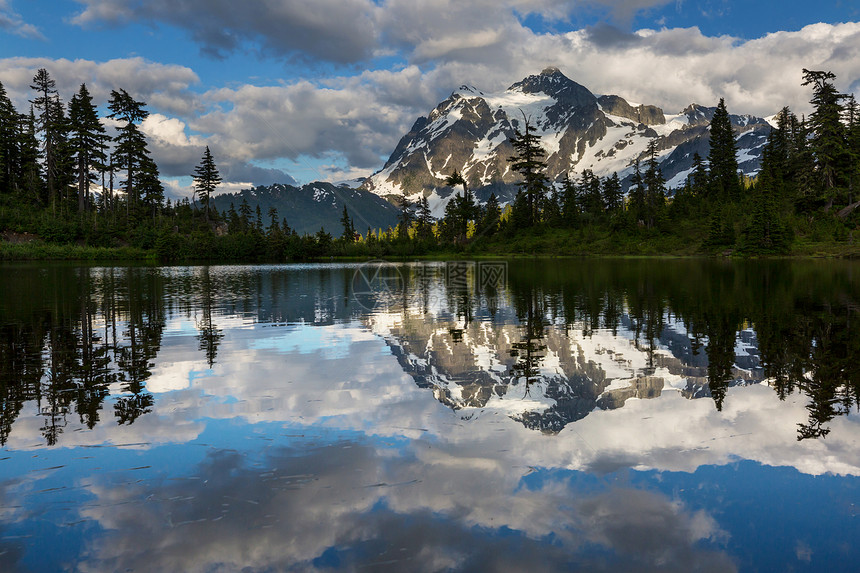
<point>9,155</point>
<point>46,88</point>
<point>699,177</point>
<point>828,142</point>
<point>130,142</point>
<point>613,196</point>
<point>405,206</point>
<point>348,234</point>
<point>655,187</point>
<point>722,157</point>
<point>570,203</point>
<point>206,179</point>
<point>88,141</point>
<point>489,224</point>
<point>528,162</point>
<point>425,219</point>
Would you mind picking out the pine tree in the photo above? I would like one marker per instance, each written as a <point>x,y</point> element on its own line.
<point>613,196</point>
<point>130,142</point>
<point>828,142</point>
<point>722,157</point>
<point>425,219</point>
<point>462,207</point>
<point>699,177</point>
<point>766,233</point>
<point>44,85</point>
<point>206,179</point>
<point>655,187</point>
<point>637,194</point>
<point>589,193</point>
<point>853,127</point>
<point>9,155</point>
<point>570,202</point>
<point>88,141</point>
<point>29,174</point>
<point>348,234</point>
<point>405,206</point>
<point>528,162</point>
<point>489,224</point>
<point>150,189</point>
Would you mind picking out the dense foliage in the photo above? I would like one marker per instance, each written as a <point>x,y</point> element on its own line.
<point>65,181</point>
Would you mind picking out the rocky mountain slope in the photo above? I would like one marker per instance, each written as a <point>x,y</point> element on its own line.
<point>315,205</point>
<point>470,132</point>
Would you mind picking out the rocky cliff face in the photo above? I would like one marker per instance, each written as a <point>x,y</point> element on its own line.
<point>470,132</point>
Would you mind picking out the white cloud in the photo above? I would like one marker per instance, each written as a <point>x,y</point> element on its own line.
<point>12,22</point>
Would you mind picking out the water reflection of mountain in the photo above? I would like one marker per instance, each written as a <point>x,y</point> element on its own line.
<point>552,344</point>
<point>474,367</point>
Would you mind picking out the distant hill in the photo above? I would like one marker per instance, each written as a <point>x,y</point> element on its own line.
<point>315,205</point>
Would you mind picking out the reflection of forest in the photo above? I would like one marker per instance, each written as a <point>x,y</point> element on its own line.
<point>76,341</point>
<point>712,324</point>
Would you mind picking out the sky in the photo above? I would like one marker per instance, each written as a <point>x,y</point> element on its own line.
<point>286,91</point>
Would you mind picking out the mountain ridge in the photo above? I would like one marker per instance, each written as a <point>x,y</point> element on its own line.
<point>470,131</point>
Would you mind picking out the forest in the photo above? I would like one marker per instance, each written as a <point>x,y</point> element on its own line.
<point>69,190</point>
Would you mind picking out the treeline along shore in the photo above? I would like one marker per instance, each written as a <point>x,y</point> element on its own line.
<point>70,190</point>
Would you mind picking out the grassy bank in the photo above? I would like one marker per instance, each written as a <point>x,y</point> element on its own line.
<point>34,251</point>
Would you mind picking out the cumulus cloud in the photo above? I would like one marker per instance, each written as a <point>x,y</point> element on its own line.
<point>341,31</point>
<point>11,22</point>
<point>346,125</point>
<point>163,86</point>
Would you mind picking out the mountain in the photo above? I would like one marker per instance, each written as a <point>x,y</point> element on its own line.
<point>470,132</point>
<point>315,205</point>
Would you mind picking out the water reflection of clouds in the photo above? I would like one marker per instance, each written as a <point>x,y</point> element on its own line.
<point>260,378</point>
<point>298,508</point>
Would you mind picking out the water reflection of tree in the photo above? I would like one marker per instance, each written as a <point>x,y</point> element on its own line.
<point>60,347</point>
<point>529,350</point>
<point>209,335</point>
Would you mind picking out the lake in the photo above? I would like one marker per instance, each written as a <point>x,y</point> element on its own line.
<point>549,415</point>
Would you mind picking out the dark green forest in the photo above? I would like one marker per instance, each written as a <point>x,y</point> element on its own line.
<point>70,190</point>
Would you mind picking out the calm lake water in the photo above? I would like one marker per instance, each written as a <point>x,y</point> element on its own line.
<point>529,416</point>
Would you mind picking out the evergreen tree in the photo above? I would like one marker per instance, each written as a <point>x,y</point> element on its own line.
<point>46,88</point>
<point>589,193</point>
<point>9,155</point>
<point>613,196</point>
<point>405,206</point>
<point>489,224</point>
<point>348,234</point>
<point>722,157</point>
<point>206,179</point>
<point>828,142</point>
<point>570,202</point>
<point>425,219</point>
<point>245,213</point>
<point>150,189</point>
<point>766,233</point>
<point>130,142</point>
<point>88,142</point>
<point>637,194</point>
<point>552,210</point>
<point>528,162</point>
<point>463,207</point>
<point>29,174</point>
<point>853,127</point>
<point>699,177</point>
<point>655,187</point>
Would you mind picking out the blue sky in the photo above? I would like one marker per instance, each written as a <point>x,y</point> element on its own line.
<point>292,89</point>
